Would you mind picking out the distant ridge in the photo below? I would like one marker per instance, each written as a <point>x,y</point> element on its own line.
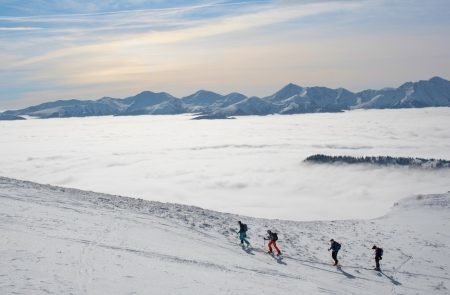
<point>291,99</point>
<point>381,161</point>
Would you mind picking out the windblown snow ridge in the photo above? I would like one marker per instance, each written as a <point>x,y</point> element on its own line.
<point>425,201</point>
<point>381,161</point>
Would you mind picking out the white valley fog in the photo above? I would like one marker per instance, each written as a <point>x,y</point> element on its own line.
<point>251,165</point>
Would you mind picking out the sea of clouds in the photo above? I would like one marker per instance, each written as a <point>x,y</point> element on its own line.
<point>251,165</point>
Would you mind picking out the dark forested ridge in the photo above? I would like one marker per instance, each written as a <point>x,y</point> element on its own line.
<point>381,160</point>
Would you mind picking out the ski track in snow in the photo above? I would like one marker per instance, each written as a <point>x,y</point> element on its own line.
<point>67,241</point>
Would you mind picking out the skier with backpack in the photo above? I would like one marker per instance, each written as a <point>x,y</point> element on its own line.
<point>335,247</point>
<point>243,233</point>
<point>273,238</point>
<point>378,256</point>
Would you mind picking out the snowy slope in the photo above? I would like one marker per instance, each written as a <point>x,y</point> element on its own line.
<point>66,241</point>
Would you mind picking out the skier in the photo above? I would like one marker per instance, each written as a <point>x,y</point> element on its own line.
<point>335,247</point>
<point>243,233</point>
<point>272,237</point>
<point>378,256</point>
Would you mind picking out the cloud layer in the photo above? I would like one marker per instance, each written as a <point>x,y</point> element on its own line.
<point>252,165</point>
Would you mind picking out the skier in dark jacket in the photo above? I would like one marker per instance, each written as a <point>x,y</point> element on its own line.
<point>378,256</point>
<point>335,247</point>
<point>243,233</point>
<point>272,237</point>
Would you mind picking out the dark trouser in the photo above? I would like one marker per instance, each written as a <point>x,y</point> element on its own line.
<point>243,238</point>
<point>377,262</point>
<point>334,255</point>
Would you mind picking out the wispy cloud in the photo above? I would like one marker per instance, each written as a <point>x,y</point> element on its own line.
<point>19,28</point>
<point>180,30</point>
<point>266,43</point>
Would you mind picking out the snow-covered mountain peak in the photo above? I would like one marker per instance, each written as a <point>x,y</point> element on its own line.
<point>150,94</point>
<point>287,91</point>
<point>291,99</point>
<point>209,92</point>
<point>437,79</point>
<point>200,93</point>
<point>202,98</point>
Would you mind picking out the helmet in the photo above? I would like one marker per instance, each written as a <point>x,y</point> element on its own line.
<point>331,240</point>
<point>374,247</point>
<point>268,231</point>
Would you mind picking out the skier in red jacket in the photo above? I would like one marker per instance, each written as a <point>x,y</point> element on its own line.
<point>272,237</point>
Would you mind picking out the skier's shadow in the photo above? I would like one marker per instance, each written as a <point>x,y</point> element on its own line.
<point>279,259</point>
<point>393,281</point>
<point>348,275</point>
<point>248,250</point>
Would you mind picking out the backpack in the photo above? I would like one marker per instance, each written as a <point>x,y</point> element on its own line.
<point>338,246</point>
<point>380,251</point>
<point>244,227</point>
<point>275,236</point>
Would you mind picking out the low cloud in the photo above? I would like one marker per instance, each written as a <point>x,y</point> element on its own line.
<point>154,157</point>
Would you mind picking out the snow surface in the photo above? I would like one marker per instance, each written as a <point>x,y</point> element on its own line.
<point>251,165</point>
<point>65,241</point>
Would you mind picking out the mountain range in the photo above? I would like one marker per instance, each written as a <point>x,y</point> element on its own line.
<point>291,99</point>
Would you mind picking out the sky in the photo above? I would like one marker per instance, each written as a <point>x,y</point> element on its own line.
<point>62,49</point>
